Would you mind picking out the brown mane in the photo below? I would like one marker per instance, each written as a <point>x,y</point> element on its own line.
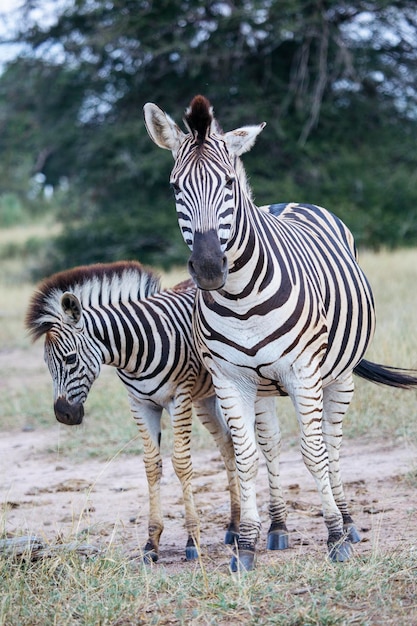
<point>199,117</point>
<point>45,302</point>
<point>185,285</point>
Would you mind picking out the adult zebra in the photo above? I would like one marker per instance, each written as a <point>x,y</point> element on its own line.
<point>282,307</point>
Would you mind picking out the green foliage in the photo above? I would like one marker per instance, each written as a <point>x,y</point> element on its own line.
<point>12,211</point>
<point>335,82</point>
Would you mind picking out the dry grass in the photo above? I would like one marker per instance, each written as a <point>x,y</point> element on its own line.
<point>109,590</point>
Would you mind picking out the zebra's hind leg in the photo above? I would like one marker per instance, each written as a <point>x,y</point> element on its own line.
<point>307,395</point>
<point>210,415</point>
<point>336,400</point>
<point>269,441</point>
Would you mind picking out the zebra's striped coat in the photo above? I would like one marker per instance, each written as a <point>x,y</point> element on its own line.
<point>116,314</point>
<point>282,307</point>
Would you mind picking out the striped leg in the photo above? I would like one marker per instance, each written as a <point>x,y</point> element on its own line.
<point>210,415</point>
<point>234,406</point>
<point>269,440</point>
<point>307,396</point>
<point>336,401</point>
<point>149,423</point>
<point>148,419</point>
<point>181,418</point>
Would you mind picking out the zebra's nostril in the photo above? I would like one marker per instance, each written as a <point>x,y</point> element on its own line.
<point>66,413</point>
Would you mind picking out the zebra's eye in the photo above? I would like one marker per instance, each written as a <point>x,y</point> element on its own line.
<point>175,187</point>
<point>70,358</point>
<point>229,182</point>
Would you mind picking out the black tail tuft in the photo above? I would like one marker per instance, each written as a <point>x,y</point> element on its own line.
<point>386,375</point>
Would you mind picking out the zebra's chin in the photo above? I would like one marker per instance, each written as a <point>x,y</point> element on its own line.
<point>69,414</point>
<point>207,284</point>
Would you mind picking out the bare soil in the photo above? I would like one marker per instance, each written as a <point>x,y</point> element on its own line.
<point>107,503</point>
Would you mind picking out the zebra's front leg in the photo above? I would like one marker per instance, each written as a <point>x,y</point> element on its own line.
<point>209,413</point>
<point>181,417</point>
<point>336,400</point>
<point>239,413</point>
<point>307,395</point>
<point>149,423</point>
<point>269,441</point>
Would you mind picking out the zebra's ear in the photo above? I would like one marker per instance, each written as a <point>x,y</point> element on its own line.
<point>242,139</point>
<point>162,129</point>
<point>71,307</point>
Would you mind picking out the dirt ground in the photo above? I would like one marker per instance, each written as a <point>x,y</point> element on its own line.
<point>107,504</point>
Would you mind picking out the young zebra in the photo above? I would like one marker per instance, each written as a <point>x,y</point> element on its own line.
<point>282,307</point>
<point>116,314</point>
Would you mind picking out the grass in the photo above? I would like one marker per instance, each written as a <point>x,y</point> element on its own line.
<point>109,589</point>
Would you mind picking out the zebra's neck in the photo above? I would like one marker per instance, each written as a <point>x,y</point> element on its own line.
<point>252,267</point>
<point>121,337</point>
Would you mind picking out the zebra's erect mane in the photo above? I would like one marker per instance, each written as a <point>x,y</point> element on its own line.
<point>199,117</point>
<point>106,283</point>
<point>200,121</point>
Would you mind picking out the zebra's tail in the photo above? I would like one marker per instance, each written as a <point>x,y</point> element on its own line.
<point>386,375</point>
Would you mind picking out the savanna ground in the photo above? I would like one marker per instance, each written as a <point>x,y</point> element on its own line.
<point>82,493</point>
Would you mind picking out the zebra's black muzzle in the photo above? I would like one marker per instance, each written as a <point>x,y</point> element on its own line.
<point>207,264</point>
<point>69,414</point>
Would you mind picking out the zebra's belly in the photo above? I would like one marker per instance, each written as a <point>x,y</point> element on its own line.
<point>268,372</point>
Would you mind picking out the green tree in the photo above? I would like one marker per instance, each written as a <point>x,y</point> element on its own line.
<point>335,81</point>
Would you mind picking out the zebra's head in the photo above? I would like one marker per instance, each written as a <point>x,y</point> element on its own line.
<point>207,178</point>
<point>73,359</point>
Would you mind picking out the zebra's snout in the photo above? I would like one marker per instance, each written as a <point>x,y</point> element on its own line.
<point>208,265</point>
<point>66,413</point>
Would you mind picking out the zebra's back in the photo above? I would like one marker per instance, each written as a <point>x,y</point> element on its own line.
<point>316,216</point>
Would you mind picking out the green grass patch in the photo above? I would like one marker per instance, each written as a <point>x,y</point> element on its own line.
<point>111,590</point>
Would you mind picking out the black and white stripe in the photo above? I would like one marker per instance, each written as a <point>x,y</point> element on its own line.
<point>116,314</point>
<point>282,307</point>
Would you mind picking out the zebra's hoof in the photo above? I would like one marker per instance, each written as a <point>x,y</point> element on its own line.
<point>191,550</point>
<point>191,553</point>
<point>150,556</point>
<point>277,540</point>
<point>231,537</point>
<point>340,551</point>
<point>352,534</point>
<point>150,552</point>
<point>245,561</point>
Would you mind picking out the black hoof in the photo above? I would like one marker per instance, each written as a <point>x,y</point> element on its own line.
<point>277,540</point>
<point>191,553</point>
<point>150,552</point>
<point>352,534</point>
<point>231,537</point>
<point>150,556</point>
<point>244,562</point>
<point>340,552</point>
